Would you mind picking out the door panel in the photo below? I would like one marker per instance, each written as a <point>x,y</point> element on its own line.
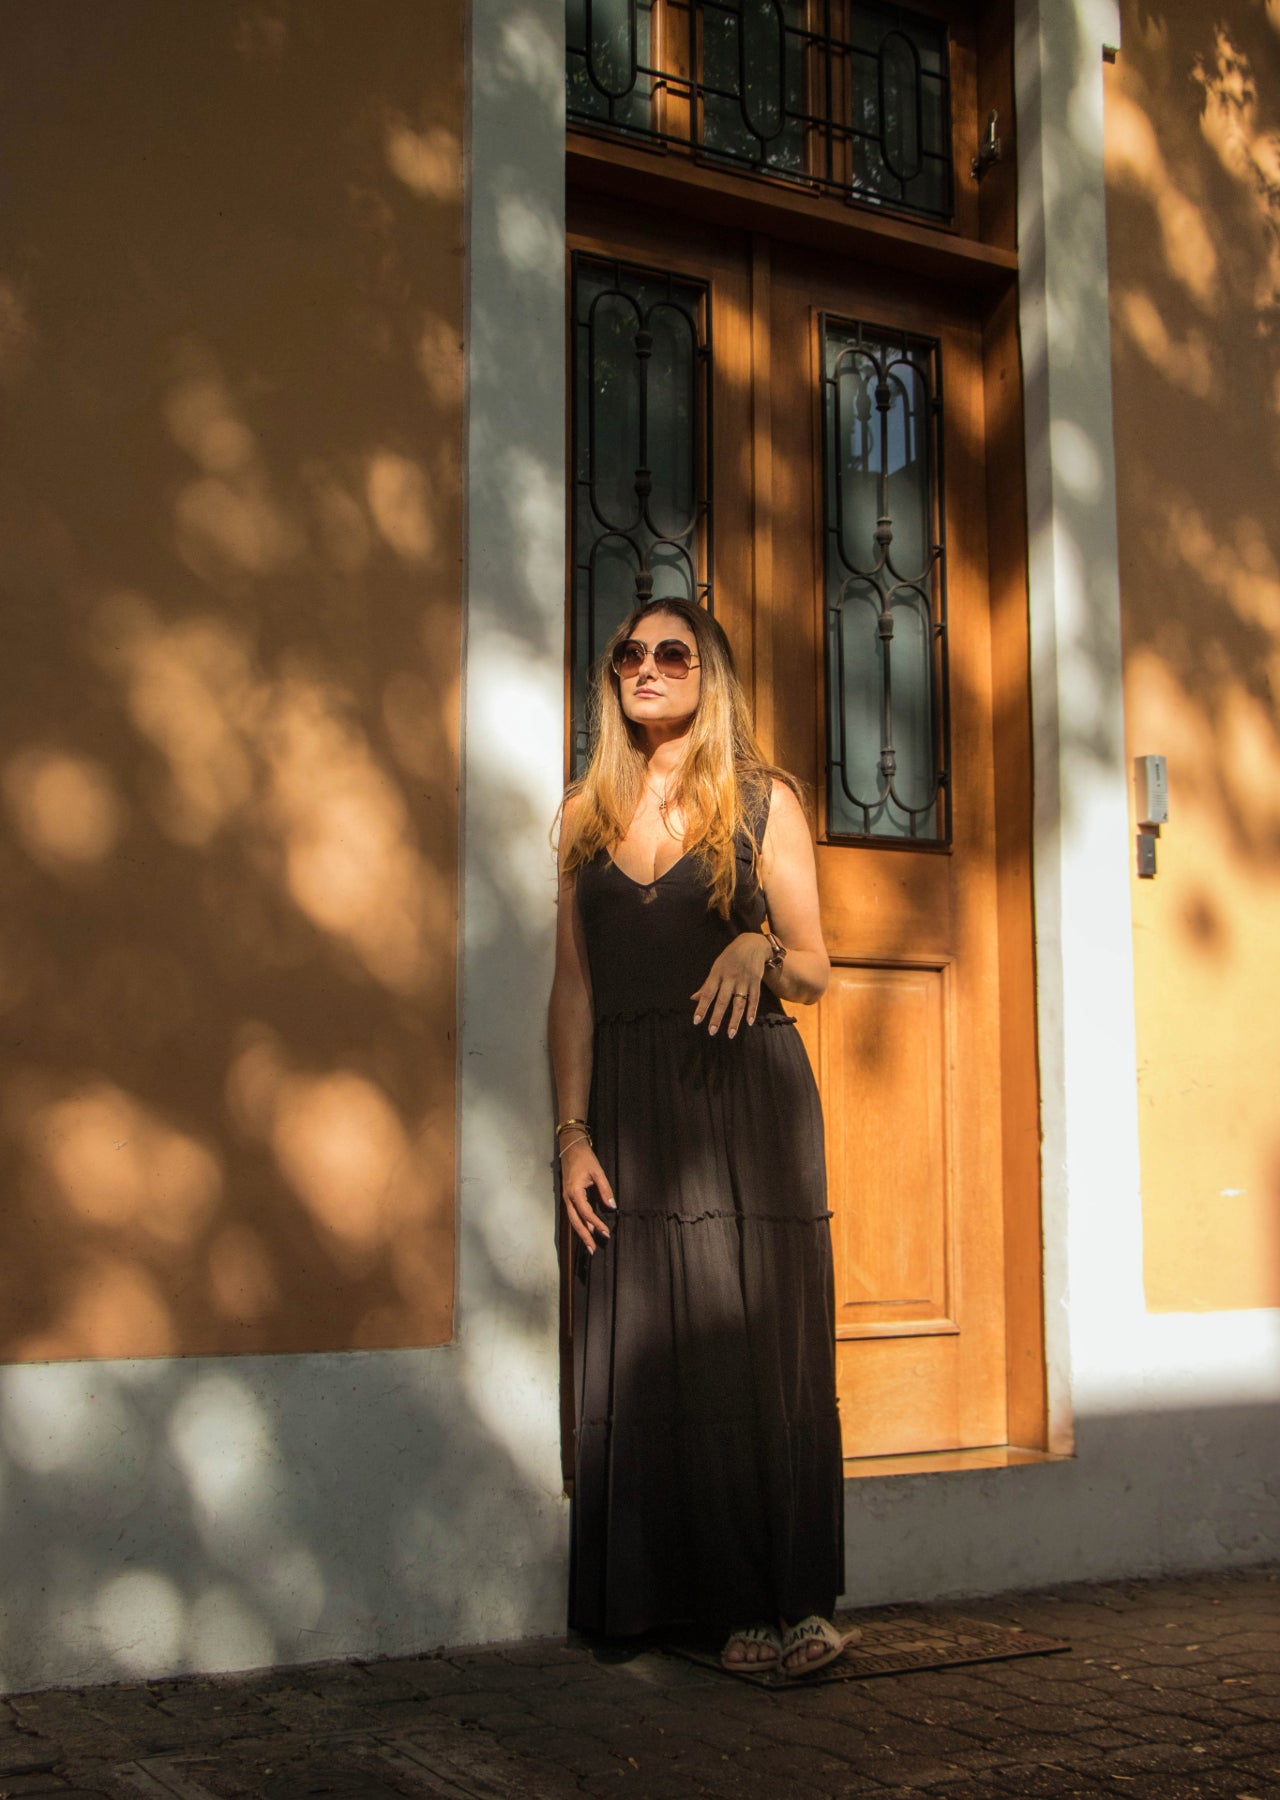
<point>887,1135</point>
<point>908,1034</point>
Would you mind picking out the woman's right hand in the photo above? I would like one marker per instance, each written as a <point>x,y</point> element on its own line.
<point>580,1171</point>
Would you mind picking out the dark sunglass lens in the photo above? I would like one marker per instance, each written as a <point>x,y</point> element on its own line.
<point>673,657</point>
<point>628,657</point>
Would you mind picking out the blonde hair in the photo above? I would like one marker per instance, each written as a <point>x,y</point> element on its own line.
<point>723,780</point>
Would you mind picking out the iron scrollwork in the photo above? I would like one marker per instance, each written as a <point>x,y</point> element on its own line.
<point>641,453</point>
<point>850,99</point>
<point>887,679</point>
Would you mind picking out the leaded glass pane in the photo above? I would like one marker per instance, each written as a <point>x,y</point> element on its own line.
<point>753,82</point>
<point>608,59</point>
<point>901,111</point>
<point>885,586</point>
<point>641,435</point>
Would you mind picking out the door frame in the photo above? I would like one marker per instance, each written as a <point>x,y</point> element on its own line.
<point>986,268</point>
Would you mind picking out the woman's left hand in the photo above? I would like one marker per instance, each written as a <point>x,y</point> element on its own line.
<point>733,985</point>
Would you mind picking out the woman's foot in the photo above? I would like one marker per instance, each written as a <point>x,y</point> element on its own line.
<point>753,1648</point>
<point>812,1644</point>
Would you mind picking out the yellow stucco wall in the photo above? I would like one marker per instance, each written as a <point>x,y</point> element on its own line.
<point>1193,176</point>
<point>230,539</point>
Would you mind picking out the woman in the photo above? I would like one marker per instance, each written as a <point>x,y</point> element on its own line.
<point>707,1485</point>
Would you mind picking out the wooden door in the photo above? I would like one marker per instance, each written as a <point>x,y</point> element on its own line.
<point>907,1043</point>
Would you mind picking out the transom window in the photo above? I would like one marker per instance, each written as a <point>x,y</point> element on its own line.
<point>846,97</point>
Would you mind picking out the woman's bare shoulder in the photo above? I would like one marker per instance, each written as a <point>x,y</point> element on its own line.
<point>784,801</point>
<point>786,832</point>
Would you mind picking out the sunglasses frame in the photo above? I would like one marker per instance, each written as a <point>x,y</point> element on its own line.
<point>672,674</point>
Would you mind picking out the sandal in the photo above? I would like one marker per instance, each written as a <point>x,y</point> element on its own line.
<point>752,1634</point>
<point>814,1630</point>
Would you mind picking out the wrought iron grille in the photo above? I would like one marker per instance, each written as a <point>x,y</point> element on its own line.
<point>641,454</point>
<point>888,755</point>
<point>844,97</point>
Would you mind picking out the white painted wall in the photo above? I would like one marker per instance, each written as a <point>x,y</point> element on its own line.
<point>209,1514</point>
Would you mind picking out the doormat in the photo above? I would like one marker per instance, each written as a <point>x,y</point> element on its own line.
<point>891,1644</point>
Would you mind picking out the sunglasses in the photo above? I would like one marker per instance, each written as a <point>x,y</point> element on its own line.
<point>672,656</point>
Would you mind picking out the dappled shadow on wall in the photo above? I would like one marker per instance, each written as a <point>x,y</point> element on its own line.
<point>232,380</point>
<point>1193,175</point>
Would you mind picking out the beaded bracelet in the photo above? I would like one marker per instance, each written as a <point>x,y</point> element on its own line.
<point>584,1139</point>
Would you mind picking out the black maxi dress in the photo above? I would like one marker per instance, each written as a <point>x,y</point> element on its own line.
<point>707,1482</point>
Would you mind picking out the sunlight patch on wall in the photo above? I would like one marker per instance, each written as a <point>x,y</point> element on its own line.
<point>1136,161</point>
<point>228,523</point>
<point>509,711</point>
<point>191,691</point>
<point>400,502</point>
<point>204,421</point>
<point>531,237</point>
<point>342,1148</point>
<point>1249,153</point>
<point>439,358</point>
<point>104,1295</point>
<point>427,162</point>
<point>287,763</point>
<point>1185,363</point>
<point>224,1447</point>
<point>529,58</point>
<point>1075,459</point>
<point>1245,575</point>
<point>107,1171</point>
<point>141,1615</point>
<point>104,1157</point>
<point>349,859</point>
<point>366,1181</point>
<point>70,1426</point>
<point>65,808</point>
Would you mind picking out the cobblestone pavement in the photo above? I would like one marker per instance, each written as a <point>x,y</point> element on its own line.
<point>1171,1689</point>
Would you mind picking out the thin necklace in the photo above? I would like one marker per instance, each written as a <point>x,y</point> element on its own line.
<point>661,798</point>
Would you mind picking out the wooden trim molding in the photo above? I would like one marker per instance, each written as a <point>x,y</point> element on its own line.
<point>947,1462</point>
<point>654,178</point>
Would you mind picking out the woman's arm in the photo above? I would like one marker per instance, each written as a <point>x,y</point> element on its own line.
<point>789,876</point>
<point>571,1030</point>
